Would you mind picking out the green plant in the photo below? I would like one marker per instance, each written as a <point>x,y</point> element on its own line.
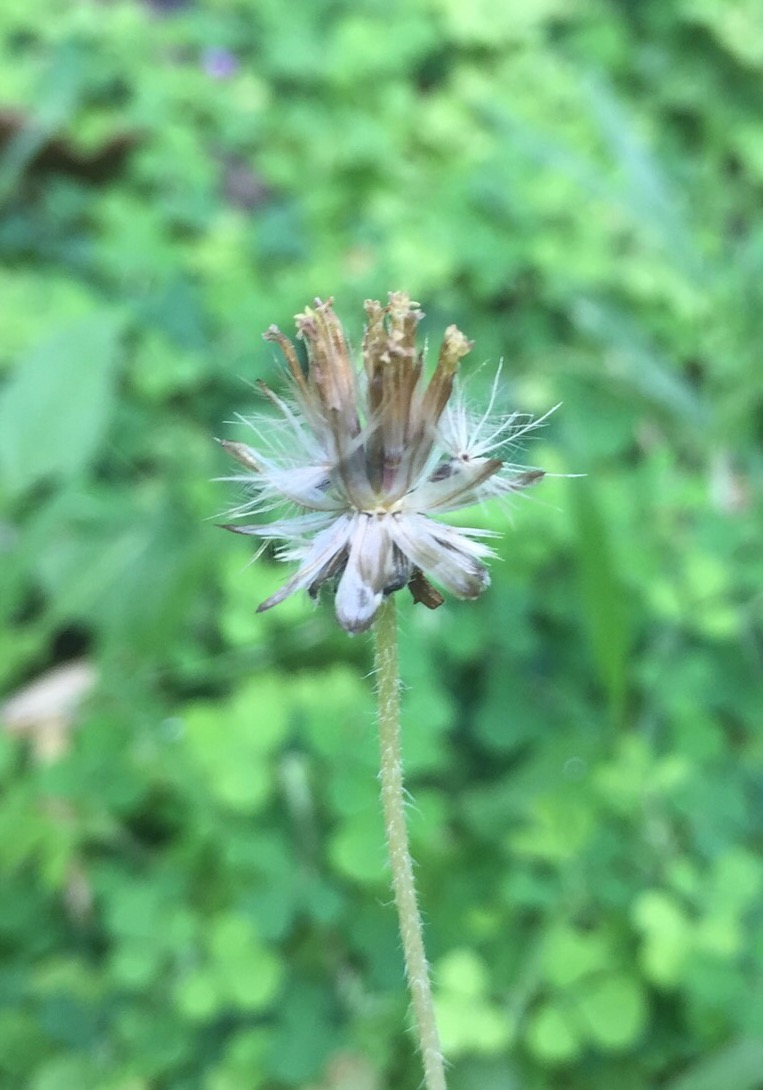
<point>579,187</point>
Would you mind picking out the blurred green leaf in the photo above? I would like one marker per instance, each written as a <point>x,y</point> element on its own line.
<point>667,935</point>
<point>305,1034</point>
<point>603,595</point>
<point>357,847</point>
<point>467,1021</point>
<point>55,409</point>
<point>569,955</point>
<point>612,1010</point>
<point>737,1067</point>
<point>552,1036</point>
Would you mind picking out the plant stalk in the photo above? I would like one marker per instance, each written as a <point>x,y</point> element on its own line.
<point>401,864</point>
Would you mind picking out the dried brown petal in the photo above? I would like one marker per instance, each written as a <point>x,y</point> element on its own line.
<point>242,453</point>
<point>423,591</point>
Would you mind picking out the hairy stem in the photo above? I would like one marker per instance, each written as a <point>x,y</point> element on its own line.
<point>401,864</point>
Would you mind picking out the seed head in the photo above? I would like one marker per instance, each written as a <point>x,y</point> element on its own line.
<point>361,461</point>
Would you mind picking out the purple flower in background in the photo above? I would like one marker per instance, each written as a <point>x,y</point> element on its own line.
<point>219,63</point>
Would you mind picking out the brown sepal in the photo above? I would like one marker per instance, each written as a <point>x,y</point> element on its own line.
<point>527,477</point>
<point>423,591</point>
<point>252,531</point>
<point>275,336</point>
<point>240,452</point>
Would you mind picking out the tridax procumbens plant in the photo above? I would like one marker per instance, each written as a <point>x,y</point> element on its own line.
<point>354,471</point>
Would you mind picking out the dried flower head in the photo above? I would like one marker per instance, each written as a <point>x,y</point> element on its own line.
<point>361,461</point>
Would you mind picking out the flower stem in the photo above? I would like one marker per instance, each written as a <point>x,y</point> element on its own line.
<point>401,864</point>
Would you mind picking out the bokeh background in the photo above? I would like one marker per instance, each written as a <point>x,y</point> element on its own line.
<point>194,893</point>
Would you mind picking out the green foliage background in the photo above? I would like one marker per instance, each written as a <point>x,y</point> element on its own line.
<point>194,894</point>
